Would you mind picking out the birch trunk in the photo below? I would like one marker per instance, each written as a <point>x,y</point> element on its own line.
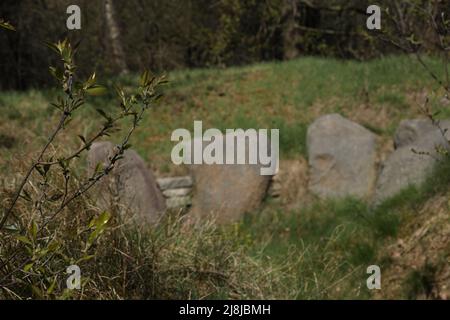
<point>114,36</point>
<point>290,32</point>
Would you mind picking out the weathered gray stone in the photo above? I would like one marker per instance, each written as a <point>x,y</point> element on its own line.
<point>178,202</point>
<point>412,130</point>
<point>131,185</point>
<point>405,167</point>
<point>226,192</point>
<point>342,158</point>
<point>170,193</point>
<point>174,183</point>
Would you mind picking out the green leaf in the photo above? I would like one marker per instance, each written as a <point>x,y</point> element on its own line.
<point>90,82</point>
<point>28,267</point>
<point>63,163</point>
<point>52,286</point>
<point>69,120</point>
<point>98,167</point>
<point>6,25</point>
<point>99,225</point>
<point>37,292</point>
<point>127,146</point>
<point>103,114</point>
<point>11,228</point>
<point>96,90</point>
<point>94,234</point>
<point>119,92</point>
<point>82,138</point>
<point>24,239</point>
<point>56,73</point>
<point>78,103</point>
<point>85,258</point>
<point>412,40</point>
<point>26,195</point>
<point>158,97</point>
<point>52,46</point>
<point>33,230</point>
<point>66,52</point>
<point>145,78</point>
<point>163,81</point>
<point>103,219</point>
<point>46,168</point>
<point>57,106</point>
<point>53,246</point>
<point>55,197</point>
<point>41,171</point>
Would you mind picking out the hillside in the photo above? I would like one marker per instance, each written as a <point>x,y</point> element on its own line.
<point>294,247</point>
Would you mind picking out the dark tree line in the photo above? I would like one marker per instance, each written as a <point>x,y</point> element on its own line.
<point>121,36</point>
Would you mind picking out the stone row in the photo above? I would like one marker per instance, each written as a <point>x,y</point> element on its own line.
<point>343,161</point>
<point>343,158</point>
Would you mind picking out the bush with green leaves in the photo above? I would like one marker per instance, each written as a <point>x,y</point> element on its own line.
<point>37,237</point>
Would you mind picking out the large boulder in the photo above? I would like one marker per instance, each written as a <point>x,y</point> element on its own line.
<point>342,158</point>
<point>227,191</point>
<point>130,185</point>
<point>409,131</point>
<point>410,164</point>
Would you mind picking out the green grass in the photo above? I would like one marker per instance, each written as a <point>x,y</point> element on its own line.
<point>288,96</point>
<point>327,246</point>
<point>319,251</point>
<point>337,239</point>
<point>419,283</point>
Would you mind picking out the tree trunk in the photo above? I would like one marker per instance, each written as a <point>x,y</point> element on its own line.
<point>114,36</point>
<point>290,32</point>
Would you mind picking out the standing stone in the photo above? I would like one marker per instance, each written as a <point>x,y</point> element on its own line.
<point>342,158</point>
<point>130,184</point>
<point>406,167</point>
<point>409,131</point>
<point>226,192</point>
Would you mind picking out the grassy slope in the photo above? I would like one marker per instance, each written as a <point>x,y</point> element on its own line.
<point>286,95</point>
<point>320,251</point>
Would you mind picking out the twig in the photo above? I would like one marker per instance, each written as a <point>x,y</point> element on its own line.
<point>64,117</point>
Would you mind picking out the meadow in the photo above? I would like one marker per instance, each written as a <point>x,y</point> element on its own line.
<point>304,249</point>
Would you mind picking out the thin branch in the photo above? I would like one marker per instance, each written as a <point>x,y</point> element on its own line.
<point>64,117</point>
